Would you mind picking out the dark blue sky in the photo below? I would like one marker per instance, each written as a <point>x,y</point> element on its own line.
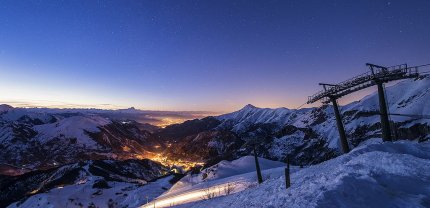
<point>198,55</point>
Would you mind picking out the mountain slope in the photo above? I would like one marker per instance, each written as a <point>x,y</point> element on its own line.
<point>32,139</point>
<point>100,179</point>
<point>240,120</point>
<point>43,138</point>
<point>373,175</point>
<point>224,178</point>
<point>310,135</point>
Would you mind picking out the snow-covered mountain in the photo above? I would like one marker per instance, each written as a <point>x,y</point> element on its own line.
<point>375,174</point>
<point>240,120</point>
<point>99,183</point>
<point>37,139</point>
<point>372,175</point>
<point>308,135</point>
<point>42,138</point>
<point>4,107</point>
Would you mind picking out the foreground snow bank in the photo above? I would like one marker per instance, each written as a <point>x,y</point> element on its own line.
<point>374,175</point>
<point>120,194</point>
<point>224,171</point>
<point>224,178</point>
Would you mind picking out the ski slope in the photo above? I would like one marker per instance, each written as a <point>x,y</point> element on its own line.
<point>224,178</point>
<point>375,174</point>
<point>372,175</point>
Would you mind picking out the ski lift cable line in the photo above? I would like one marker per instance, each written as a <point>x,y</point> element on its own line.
<point>301,106</point>
<point>422,65</point>
<point>411,115</point>
<point>409,67</point>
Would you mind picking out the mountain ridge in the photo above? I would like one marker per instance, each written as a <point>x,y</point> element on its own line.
<point>310,135</point>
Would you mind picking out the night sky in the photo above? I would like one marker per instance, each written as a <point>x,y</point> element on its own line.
<point>198,55</point>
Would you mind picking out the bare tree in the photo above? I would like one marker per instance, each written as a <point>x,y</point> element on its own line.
<point>209,194</point>
<point>229,188</point>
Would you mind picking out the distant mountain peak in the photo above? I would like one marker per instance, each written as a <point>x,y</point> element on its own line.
<point>5,107</point>
<point>249,106</point>
<point>129,110</point>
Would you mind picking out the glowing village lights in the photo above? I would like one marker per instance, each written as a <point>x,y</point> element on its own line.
<point>172,163</point>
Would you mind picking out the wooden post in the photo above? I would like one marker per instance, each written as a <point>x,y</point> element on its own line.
<point>257,167</point>
<point>287,173</point>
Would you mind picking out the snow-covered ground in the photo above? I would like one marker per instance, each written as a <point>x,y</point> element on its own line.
<point>372,175</point>
<point>72,127</point>
<point>375,174</point>
<point>119,194</point>
<point>224,178</point>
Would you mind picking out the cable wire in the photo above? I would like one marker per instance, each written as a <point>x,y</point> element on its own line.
<point>301,106</point>
<point>411,115</point>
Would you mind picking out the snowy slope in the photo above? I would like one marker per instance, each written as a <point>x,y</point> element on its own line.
<point>222,170</point>
<point>35,138</point>
<point>72,127</point>
<point>121,183</point>
<point>310,135</point>
<point>4,108</point>
<point>406,97</point>
<point>372,175</point>
<point>120,194</point>
<point>248,115</point>
<point>224,178</point>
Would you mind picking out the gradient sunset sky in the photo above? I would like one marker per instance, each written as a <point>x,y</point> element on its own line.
<point>198,55</point>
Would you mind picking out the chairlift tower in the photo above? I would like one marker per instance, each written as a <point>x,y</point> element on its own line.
<point>378,75</point>
<point>383,111</point>
<point>339,124</point>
